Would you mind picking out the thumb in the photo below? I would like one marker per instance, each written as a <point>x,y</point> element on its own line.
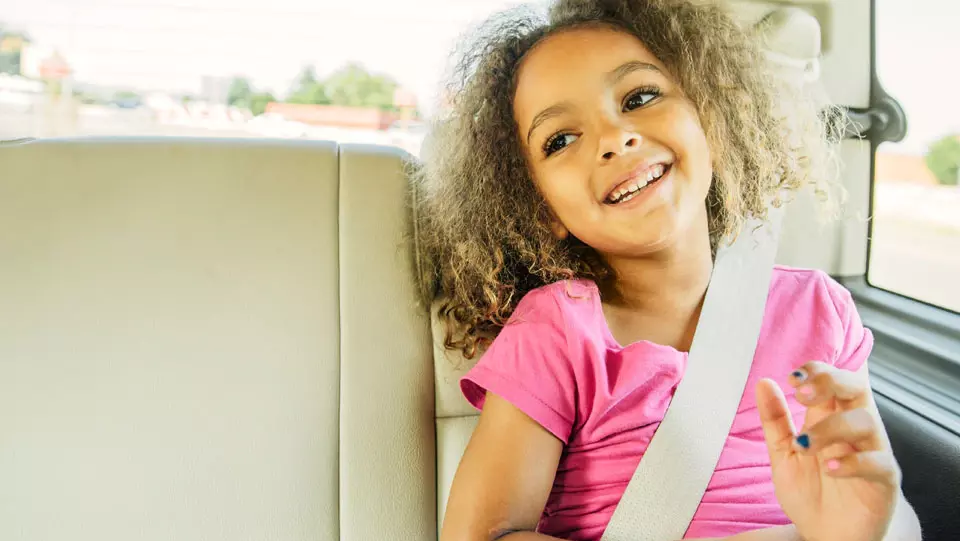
<point>775,419</point>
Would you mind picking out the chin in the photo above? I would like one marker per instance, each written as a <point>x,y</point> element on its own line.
<point>664,242</point>
<point>659,233</point>
<point>639,245</point>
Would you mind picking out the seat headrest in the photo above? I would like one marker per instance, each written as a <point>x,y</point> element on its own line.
<point>792,40</point>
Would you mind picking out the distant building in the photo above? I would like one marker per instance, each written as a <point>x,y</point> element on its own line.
<point>215,90</point>
<point>910,168</point>
<point>32,57</point>
<point>12,43</point>
<point>11,53</point>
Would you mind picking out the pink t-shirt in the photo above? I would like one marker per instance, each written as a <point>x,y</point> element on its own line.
<point>557,361</point>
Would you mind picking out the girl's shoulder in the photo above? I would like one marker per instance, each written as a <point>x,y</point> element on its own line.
<point>788,286</point>
<point>813,316</point>
<point>791,288</point>
<point>559,302</point>
<point>810,288</point>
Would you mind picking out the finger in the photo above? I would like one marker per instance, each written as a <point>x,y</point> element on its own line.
<point>837,450</point>
<point>879,466</point>
<point>775,418</point>
<point>816,383</point>
<point>858,428</point>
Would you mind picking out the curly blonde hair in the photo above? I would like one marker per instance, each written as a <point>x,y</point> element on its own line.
<point>482,226</point>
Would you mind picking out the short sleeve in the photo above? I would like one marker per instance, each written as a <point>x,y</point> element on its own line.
<point>856,341</point>
<point>529,366</point>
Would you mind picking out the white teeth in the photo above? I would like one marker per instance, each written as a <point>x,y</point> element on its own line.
<point>655,172</point>
<point>627,193</point>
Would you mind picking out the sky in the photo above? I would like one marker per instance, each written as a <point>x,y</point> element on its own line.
<point>918,63</point>
<point>172,44</point>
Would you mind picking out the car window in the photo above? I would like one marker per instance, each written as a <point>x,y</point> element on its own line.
<point>351,72</point>
<point>915,239</point>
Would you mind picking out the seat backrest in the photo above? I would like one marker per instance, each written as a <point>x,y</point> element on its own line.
<point>387,445</point>
<point>211,340</point>
<point>456,418</point>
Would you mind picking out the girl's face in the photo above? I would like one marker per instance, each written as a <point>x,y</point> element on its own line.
<point>613,144</point>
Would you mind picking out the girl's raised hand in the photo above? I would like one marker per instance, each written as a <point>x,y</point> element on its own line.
<point>836,479</point>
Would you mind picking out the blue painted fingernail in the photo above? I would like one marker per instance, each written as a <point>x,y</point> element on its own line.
<point>799,374</point>
<point>803,440</point>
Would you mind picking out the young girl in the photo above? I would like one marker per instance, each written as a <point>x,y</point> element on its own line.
<point>572,201</point>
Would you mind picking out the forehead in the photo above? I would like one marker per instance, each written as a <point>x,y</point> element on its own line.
<point>572,60</point>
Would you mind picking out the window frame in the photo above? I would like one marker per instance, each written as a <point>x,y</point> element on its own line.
<point>916,355</point>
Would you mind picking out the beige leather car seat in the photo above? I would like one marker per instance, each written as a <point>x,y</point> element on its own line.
<point>211,340</point>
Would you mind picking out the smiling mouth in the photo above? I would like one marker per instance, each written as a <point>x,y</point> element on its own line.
<point>632,189</point>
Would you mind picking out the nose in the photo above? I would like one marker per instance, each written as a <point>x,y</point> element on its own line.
<point>617,140</point>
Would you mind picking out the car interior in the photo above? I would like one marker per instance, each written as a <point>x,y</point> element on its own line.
<point>224,339</point>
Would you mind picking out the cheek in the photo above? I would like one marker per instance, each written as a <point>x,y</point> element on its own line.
<point>693,139</point>
<point>561,184</point>
<point>562,198</point>
<point>695,154</point>
<point>565,191</point>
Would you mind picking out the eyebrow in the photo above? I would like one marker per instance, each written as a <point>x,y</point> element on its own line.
<point>627,68</point>
<point>547,114</point>
<point>613,78</point>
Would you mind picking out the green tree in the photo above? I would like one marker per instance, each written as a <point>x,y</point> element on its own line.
<point>238,95</point>
<point>308,78</point>
<point>126,95</point>
<point>353,86</point>
<point>309,90</point>
<point>259,101</point>
<point>943,159</point>
<point>316,95</point>
<point>242,94</point>
<point>127,98</point>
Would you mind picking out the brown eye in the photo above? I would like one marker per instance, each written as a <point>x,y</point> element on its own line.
<point>558,142</point>
<point>640,97</point>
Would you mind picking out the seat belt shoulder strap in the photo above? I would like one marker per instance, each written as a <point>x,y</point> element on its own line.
<point>665,491</point>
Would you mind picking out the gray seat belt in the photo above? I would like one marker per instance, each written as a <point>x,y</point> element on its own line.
<point>673,474</point>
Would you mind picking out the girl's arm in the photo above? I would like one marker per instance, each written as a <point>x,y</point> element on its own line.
<point>905,525</point>
<point>504,477</point>
<point>778,533</point>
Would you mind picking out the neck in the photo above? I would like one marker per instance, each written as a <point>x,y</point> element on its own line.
<point>670,281</point>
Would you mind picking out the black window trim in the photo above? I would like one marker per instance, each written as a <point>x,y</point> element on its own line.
<point>916,355</point>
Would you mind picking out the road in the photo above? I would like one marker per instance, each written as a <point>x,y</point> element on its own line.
<point>917,259</point>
